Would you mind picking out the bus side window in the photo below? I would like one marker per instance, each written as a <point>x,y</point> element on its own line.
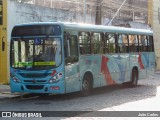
<point>142,43</point>
<point>71,49</point>
<point>84,43</point>
<point>133,43</point>
<point>97,43</point>
<point>110,43</point>
<point>150,44</point>
<point>123,43</point>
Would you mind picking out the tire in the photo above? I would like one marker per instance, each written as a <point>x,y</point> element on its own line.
<point>87,85</point>
<point>134,78</point>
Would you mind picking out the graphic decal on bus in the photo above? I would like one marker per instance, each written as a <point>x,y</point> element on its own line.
<point>121,66</point>
<point>140,62</point>
<point>145,59</point>
<point>105,70</point>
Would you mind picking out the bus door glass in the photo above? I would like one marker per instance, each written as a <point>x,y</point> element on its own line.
<point>71,62</point>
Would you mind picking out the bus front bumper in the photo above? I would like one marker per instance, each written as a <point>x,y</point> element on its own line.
<point>56,88</point>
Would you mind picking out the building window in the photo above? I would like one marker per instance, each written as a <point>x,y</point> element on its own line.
<point>1,12</point>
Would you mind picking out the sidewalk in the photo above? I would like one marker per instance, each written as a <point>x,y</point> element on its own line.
<point>6,93</point>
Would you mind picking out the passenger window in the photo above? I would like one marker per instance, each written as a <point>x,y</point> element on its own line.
<point>84,43</point>
<point>110,43</point>
<point>133,43</point>
<point>97,43</point>
<point>150,44</point>
<point>142,43</point>
<point>123,43</point>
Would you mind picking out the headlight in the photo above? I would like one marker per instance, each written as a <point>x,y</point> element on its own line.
<point>56,78</point>
<point>15,79</point>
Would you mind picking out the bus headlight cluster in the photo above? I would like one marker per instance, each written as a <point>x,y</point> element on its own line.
<point>56,78</point>
<point>15,79</point>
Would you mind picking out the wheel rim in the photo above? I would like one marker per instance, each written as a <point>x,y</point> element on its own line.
<point>135,78</point>
<point>86,86</point>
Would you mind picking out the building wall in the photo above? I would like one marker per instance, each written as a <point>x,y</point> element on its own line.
<point>23,13</point>
<point>156,29</point>
<point>19,13</point>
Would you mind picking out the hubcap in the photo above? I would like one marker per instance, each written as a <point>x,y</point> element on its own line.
<point>85,85</point>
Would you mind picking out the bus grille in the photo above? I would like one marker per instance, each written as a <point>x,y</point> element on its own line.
<point>35,81</point>
<point>34,87</point>
<point>34,75</point>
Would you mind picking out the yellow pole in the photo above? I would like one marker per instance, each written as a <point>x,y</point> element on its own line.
<point>3,43</point>
<point>150,13</point>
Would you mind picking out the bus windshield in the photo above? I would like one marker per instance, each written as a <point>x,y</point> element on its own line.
<point>36,53</point>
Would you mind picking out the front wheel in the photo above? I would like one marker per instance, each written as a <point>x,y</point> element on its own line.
<point>86,85</point>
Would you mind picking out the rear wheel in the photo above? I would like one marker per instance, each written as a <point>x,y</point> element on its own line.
<point>87,84</point>
<point>134,79</point>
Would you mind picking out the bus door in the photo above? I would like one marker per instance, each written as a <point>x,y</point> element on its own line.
<point>123,58</point>
<point>71,53</point>
<point>3,43</point>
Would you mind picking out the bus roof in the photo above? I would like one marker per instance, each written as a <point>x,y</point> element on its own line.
<point>110,29</point>
<point>93,28</point>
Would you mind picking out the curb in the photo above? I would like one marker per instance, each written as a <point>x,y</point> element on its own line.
<point>8,95</point>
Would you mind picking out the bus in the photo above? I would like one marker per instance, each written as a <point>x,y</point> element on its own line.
<point>59,57</point>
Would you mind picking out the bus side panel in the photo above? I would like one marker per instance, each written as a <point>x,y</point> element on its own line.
<point>109,70</point>
<point>72,78</point>
<point>123,67</point>
<point>133,63</point>
<point>92,64</point>
<point>106,69</point>
<point>151,67</point>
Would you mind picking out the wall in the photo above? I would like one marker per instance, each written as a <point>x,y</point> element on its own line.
<point>156,29</point>
<point>24,13</point>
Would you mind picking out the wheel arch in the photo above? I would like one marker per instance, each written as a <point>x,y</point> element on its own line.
<point>89,73</point>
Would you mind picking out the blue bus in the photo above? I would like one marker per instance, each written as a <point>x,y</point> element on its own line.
<point>59,58</point>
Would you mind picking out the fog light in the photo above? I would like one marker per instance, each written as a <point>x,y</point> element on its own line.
<point>46,89</point>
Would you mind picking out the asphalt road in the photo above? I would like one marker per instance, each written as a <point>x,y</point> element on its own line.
<point>144,97</point>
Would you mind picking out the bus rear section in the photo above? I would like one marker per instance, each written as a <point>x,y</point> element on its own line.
<point>36,59</point>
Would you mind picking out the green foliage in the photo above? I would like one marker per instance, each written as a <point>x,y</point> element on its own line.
<point>111,48</point>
